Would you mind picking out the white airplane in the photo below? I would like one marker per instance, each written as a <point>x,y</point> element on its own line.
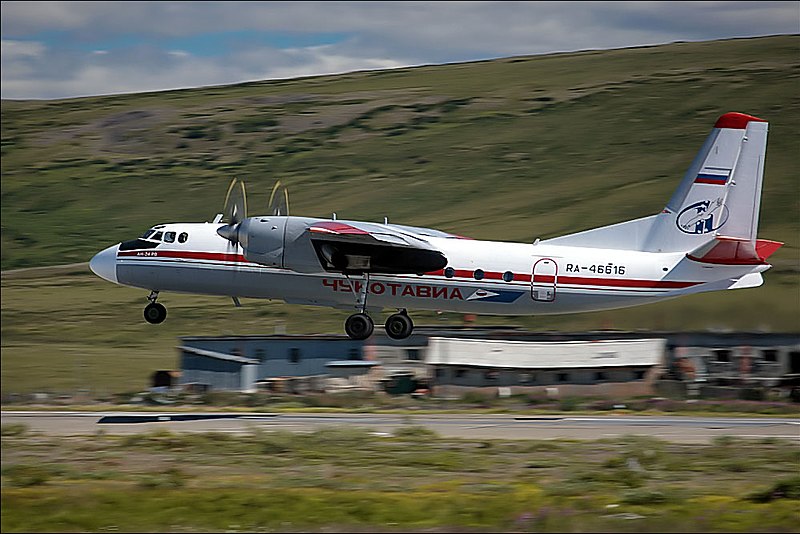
<point>703,240</point>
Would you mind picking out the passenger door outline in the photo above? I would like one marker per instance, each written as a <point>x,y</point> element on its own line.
<point>544,280</point>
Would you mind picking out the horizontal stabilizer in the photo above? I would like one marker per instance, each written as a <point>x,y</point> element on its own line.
<point>734,251</point>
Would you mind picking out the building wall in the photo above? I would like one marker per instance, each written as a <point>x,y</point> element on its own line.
<point>218,374</point>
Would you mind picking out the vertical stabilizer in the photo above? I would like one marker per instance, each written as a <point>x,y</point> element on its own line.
<point>720,194</point>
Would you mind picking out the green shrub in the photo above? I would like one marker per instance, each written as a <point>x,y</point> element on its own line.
<point>787,488</point>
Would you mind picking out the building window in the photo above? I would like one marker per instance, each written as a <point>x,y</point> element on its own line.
<point>461,373</point>
<point>562,377</point>
<point>769,355</point>
<point>294,355</point>
<point>490,375</point>
<point>260,354</point>
<point>412,354</point>
<point>526,378</point>
<point>439,373</point>
<point>599,376</point>
<point>721,355</point>
<point>353,354</point>
<point>639,375</point>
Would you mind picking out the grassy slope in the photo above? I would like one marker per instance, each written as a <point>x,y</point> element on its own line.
<point>268,481</point>
<point>510,149</point>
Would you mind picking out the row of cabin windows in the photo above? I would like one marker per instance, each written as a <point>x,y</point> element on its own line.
<point>166,237</point>
<point>478,274</point>
<point>529,378</point>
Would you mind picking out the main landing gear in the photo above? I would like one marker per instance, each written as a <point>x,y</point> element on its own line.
<point>360,325</point>
<point>154,313</point>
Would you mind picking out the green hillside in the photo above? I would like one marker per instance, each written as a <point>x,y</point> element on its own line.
<point>511,149</point>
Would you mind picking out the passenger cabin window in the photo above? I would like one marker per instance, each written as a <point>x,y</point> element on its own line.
<point>478,274</point>
<point>449,272</point>
<point>158,236</point>
<point>169,237</point>
<point>183,237</point>
<point>508,276</point>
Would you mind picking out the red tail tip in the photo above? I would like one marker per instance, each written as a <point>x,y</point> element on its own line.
<point>737,121</point>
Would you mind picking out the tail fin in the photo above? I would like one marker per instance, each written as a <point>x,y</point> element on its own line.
<point>720,194</point>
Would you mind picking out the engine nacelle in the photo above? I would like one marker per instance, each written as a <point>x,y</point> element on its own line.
<point>280,241</point>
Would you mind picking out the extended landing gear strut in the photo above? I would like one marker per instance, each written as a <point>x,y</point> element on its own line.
<point>154,313</point>
<point>360,325</point>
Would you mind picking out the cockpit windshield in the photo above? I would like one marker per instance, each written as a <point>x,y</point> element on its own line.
<point>147,234</point>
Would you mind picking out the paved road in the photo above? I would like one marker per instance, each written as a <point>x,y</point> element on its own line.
<point>676,429</point>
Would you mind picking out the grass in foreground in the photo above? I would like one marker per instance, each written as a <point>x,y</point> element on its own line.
<point>352,480</point>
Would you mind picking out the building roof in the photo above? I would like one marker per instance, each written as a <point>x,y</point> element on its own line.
<point>544,355</point>
<point>217,355</point>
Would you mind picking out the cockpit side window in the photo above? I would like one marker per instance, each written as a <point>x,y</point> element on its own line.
<point>147,234</point>
<point>183,237</point>
<point>157,236</point>
<point>169,237</point>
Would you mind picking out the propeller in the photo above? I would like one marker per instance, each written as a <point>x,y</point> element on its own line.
<point>279,200</point>
<point>235,211</point>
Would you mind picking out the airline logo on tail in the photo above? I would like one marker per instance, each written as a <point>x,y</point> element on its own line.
<point>702,217</point>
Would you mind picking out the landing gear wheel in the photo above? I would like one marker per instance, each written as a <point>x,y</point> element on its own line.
<point>399,326</point>
<point>155,313</point>
<point>359,326</point>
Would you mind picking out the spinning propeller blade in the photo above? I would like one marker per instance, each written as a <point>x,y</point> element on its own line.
<point>235,211</point>
<point>279,200</point>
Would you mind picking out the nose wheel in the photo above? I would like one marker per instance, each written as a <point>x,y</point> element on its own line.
<point>154,313</point>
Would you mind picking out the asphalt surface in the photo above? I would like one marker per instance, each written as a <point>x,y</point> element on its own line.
<point>681,429</point>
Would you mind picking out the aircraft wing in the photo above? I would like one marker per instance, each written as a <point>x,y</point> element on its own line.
<point>360,247</point>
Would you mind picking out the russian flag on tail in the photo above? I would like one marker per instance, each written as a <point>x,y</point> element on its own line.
<point>713,176</point>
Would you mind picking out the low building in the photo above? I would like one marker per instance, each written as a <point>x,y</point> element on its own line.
<point>508,357</point>
<point>241,363</point>
<point>563,368</point>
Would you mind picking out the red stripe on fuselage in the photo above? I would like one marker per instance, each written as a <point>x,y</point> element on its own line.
<point>458,274</point>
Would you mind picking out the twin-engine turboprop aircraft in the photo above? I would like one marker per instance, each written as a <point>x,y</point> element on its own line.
<point>703,240</point>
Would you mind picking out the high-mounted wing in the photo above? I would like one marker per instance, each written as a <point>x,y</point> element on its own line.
<point>360,247</point>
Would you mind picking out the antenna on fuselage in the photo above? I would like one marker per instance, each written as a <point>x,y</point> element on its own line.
<point>218,218</point>
<point>334,215</point>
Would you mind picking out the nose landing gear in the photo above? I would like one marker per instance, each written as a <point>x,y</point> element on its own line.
<point>154,313</point>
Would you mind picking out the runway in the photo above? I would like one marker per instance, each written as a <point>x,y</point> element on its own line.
<point>470,426</point>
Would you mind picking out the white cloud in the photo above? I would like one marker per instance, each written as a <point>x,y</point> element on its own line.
<point>58,49</point>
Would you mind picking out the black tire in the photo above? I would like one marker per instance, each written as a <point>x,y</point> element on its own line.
<point>399,326</point>
<point>359,326</point>
<point>155,313</point>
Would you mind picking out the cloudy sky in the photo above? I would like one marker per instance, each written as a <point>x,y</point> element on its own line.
<point>66,49</point>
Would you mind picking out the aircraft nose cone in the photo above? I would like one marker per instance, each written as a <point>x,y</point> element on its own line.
<point>104,264</point>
